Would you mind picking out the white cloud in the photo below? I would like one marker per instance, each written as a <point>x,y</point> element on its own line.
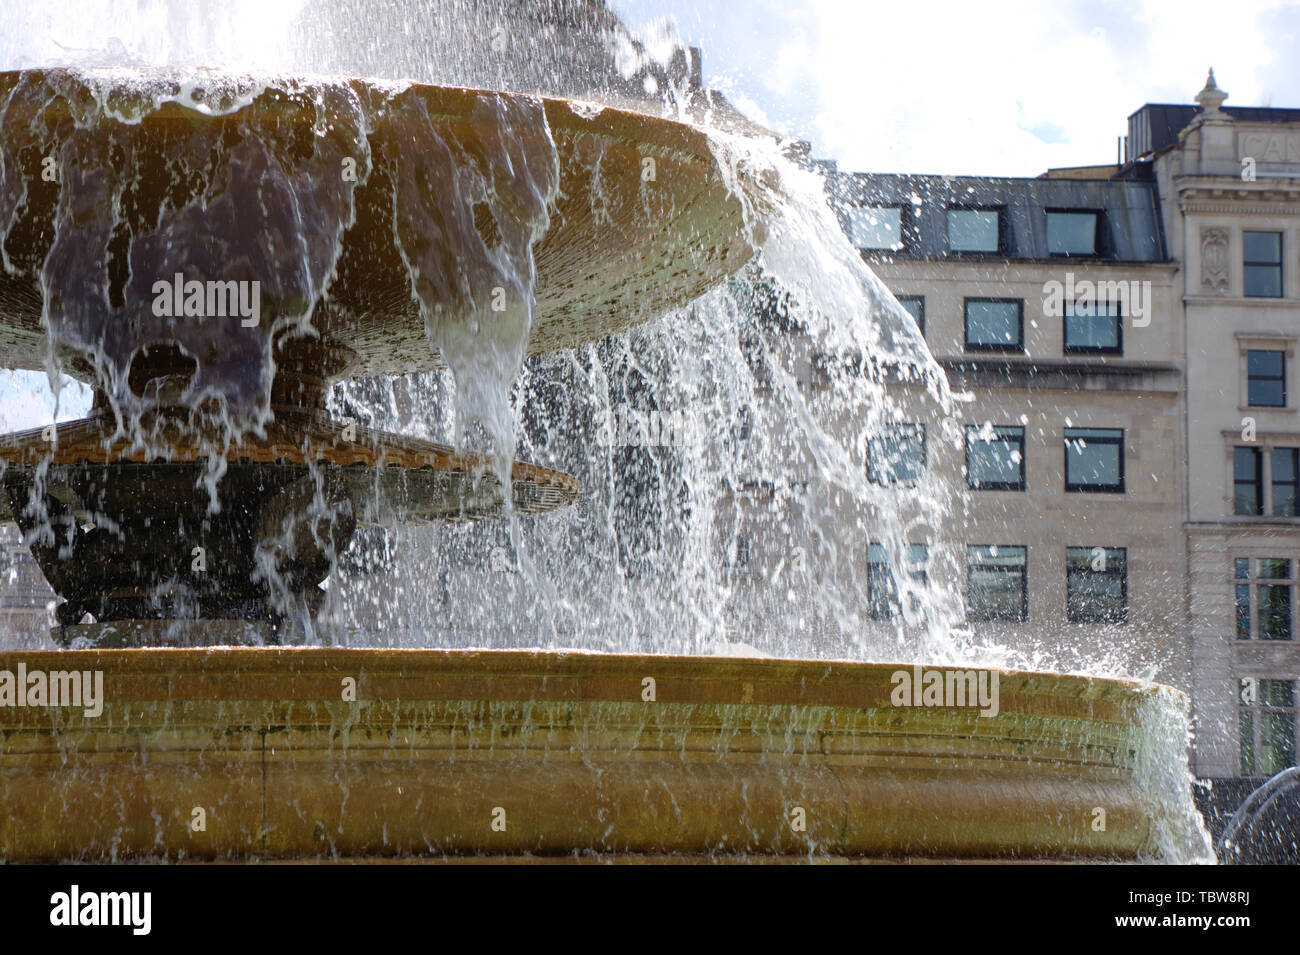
<point>934,86</point>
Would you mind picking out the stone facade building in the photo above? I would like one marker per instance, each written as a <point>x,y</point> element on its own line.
<point>1136,461</point>
<point>26,600</point>
<point>1229,182</point>
<point>1067,447</point>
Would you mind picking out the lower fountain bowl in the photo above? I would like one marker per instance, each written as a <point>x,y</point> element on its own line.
<point>320,753</point>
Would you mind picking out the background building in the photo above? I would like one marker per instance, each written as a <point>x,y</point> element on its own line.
<point>1163,438</point>
<point>26,600</point>
<point>1229,182</point>
<point>1068,447</point>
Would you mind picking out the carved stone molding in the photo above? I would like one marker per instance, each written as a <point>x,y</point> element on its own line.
<point>1214,260</point>
<point>1222,208</point>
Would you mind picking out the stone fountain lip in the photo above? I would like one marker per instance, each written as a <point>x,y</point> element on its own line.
<point>617,253</point>
<point>435,741</point>
<point>786,680</point>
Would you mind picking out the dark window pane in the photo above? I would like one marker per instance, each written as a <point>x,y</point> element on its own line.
<point>1092,327</point>
<point>1243,611</point>
<point>1094,459</point>
<point>742,561</point>
<point>1071,233</point>
<point>1241,567</point>
<point>973,230</point>
<point>1274,603</point>
<point>915,306</point>
<point>1247,724</point>
<point>1276,742</point>
<point>876,227</point>
<point>1246,490</point>
<point>918,558</point>
<point>993,324</point>
<point>1261,248</point>
<point>1096,584</point>
<point>1262,281</point>
<point>897,456</point>
<point>880,584</point>
<point>1264,363</point>
<point>1273,568</point>
<point>1286,481</point>
<point>1276,693</point>
<point>995,458</point>
<point>1262,264</point>
<point>1266,378</point>
<point>882,590</point>
<point>995,583</point>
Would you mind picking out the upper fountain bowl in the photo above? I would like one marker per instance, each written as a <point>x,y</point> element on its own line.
<point>373,216</point>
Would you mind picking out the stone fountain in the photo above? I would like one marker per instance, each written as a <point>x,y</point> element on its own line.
<point>210,253</point>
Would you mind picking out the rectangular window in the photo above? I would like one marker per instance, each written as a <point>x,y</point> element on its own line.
<point>1274,603</point>
<point>1094,329</point>
<point>876,227</point>
<point>1247,482</point>
<point>1072,233</point>
<point>1273,600</point>
<point>1286,481</point>
<point>882,591</point>
<point>1266,378</point>
<point>915,306</point>
<point>1267,723</point>
<point>995,324</point>
<point>996,583</point>
<point>896,456</point>
<point>1243,611</point>
<point>740,559</point>
<point>975,230</point>
<point>1096,584</point>
<point>1261,257</point>
<point>1094,460</point>
<point>1271,586</point>
<point>880,584</point>
<point>995,458</point>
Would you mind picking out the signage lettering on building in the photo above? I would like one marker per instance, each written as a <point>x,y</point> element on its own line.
<point>1271,147</point>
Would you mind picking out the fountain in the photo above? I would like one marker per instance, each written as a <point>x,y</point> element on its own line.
<point>216,254</point>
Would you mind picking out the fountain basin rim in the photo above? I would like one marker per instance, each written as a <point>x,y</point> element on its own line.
<point>587,675</point>
<point>659,249</point>
<point>434,739</point>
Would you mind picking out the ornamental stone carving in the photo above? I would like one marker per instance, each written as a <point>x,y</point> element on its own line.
<point>1214,260</point>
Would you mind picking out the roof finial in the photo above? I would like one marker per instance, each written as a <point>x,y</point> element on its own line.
<point>1211,97</point>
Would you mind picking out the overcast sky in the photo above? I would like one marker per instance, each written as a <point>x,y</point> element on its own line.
<point>1008,88</point>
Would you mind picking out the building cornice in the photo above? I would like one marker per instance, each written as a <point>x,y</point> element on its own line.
<point>1219,301</point>
<point>1224,195</point>
<point>1235,524</point>
<point>1230,209</point>
<point>1062,375</point>
<point>1056,265</point>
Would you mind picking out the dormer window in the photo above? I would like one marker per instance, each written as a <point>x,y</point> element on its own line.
<point>1073,233</point>
<point>876,228</point>
<point>975,230</point>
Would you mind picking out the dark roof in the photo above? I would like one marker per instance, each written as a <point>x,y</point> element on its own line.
<point>1131,231</point>
<point>1157,125</point>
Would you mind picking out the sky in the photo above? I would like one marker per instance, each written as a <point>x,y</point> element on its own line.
<point>934,86</point>
<point>1008,89</point>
